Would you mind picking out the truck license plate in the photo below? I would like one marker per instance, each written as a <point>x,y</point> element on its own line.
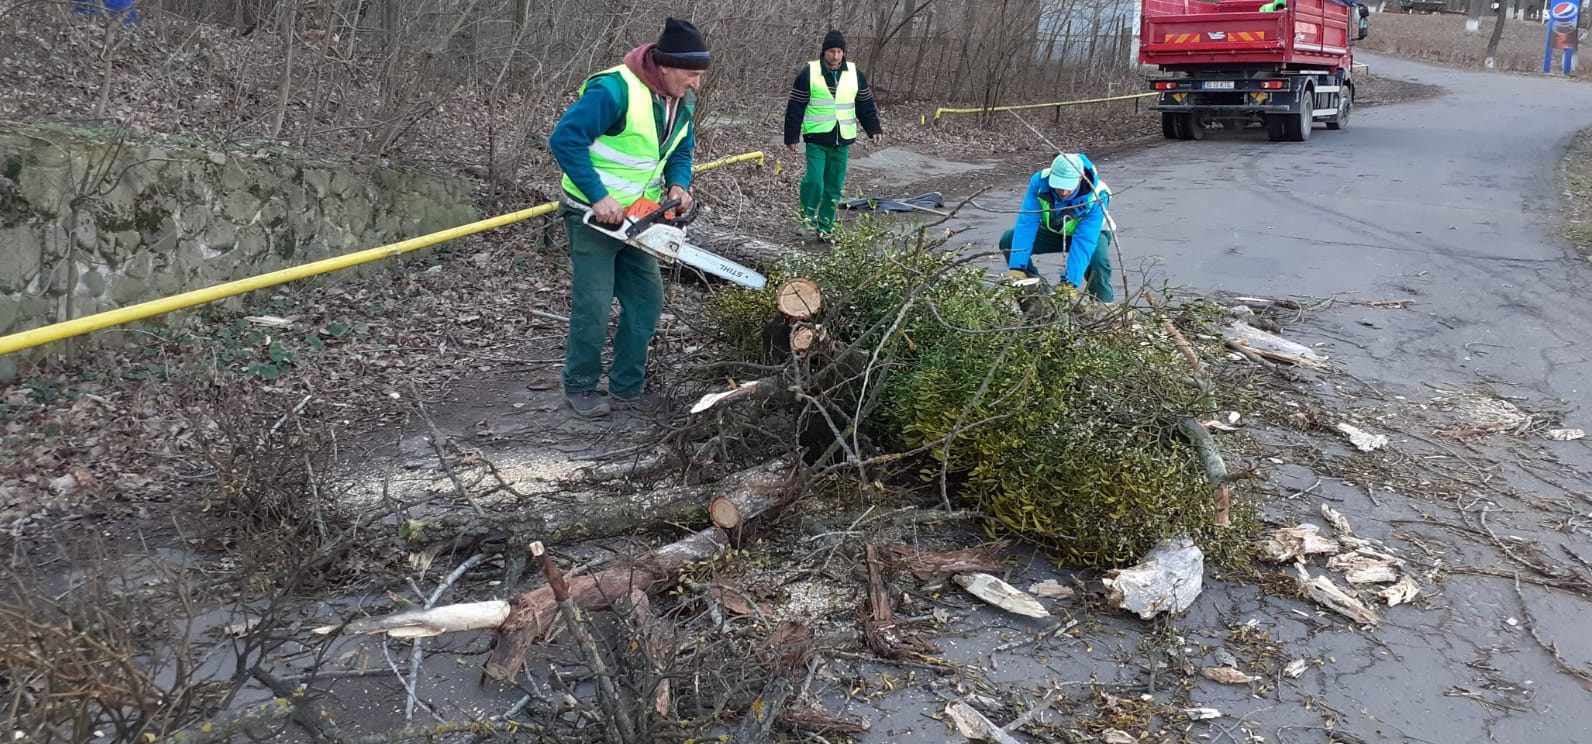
<point>1218,85</point>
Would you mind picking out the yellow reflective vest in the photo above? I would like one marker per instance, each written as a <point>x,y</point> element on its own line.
<point>630,163</point>
<point>825,111</point>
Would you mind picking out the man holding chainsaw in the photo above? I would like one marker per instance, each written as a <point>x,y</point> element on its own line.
<point>1064,211</point>
<point>827,100</point>
<point>626,142</point>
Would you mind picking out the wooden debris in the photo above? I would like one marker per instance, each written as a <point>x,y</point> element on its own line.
<point>928,565</point>
<point>1247,338</point>
<point>1295,668</point>
<point>1051,589</point>
<point>424,623</point>
<point>1227,675</point>
<point>808,718</point>
<point>1117,736</point>
<point>744,390</point>
<point>1168,580</point>
<point>1365,568</point>
<point>1201,714</point>
<point>1404,591</point>
<point>659,646</point>
<point>1293,543</point>
<point>1363,441</point>
<point>1001,594</point>
<point>1565,435</point>
<point>1215,468</point>
<point>799,299</point>
<point>879,627</point>
<point>973,725</point>
<point>1322,590</point>
<point>786,651</point>
<point>1340,523</point>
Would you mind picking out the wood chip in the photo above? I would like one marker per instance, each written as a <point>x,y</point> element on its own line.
<point>1051,589</point>
<point>973,725</point>
<point>1399,593</point>
<point>1117,736</point>
<point>1340,524</point>
<point>1295,668</point>
<point>1565,435</point>
<point>1001,594</point>
<point>1323,590</point>
<point>1227,675</point>
<point>1363,441</point>
<point>1293,543</point>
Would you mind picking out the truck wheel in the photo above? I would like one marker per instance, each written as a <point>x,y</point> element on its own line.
<point>1340,120</point>
<point>1169,122</point>
<point>1277,126</point>
<point>1299,124</point>
<point>1193,126</point>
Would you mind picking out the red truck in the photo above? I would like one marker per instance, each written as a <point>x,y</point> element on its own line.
<point>1236,62</point>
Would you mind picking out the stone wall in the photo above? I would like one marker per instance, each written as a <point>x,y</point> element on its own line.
<point>88,224</point>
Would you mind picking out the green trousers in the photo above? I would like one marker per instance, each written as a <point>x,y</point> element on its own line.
<point>820,189</point>
<point>1096,278</point>
<point>605,269</point>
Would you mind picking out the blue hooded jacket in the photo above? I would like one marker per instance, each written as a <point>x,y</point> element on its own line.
<point>1085,205</point>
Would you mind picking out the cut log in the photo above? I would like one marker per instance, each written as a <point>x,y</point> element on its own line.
<point>805,337</point>
<point>723,513</point>
<point>1271,346</point>
<point>531,613</point>
<point>553,523</point>
<point>748,250</point>
<point>799,299</point>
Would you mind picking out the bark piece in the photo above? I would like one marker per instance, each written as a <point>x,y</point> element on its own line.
<point>929,565</point>
<point>1051,589</point>
<point>1001,594</point>
<point>879,627</point>
<point>1323,590</point>
<point>1565,435</point>
<point>1168,580</point>
<point>1227,675</point>
<point>1271,346</point>
<point>799,299</point>
<point>1366,568</point>
<point>1293,543</point>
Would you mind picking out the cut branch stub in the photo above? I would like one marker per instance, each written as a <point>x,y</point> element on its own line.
<point>805,336</point>
<point>799,299</point>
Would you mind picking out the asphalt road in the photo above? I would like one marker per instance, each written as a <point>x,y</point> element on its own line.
<point>1451,203</point>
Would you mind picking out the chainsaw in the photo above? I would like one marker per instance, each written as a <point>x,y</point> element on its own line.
<point>657,231</point>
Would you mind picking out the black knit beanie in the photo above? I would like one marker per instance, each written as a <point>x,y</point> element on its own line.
<point>834,40</point>
<point>681,45</point>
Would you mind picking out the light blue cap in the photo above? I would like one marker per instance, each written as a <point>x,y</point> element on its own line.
<point>1065,172</point>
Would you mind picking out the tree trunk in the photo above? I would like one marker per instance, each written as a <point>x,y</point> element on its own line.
<point>1473,21</point>
<point>1497,35</point>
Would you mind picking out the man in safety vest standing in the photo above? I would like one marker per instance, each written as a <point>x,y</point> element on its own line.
<point>1064,211</point>
<point>628,137</point>
<point>828,99</point>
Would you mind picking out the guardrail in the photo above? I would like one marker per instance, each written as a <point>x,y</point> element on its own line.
<point>1021,107</point>
<point>99,321</point>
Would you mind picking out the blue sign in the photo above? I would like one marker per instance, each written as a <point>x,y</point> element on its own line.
<point>1562,34</point>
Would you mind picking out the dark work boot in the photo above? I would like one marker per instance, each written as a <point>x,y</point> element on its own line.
<point>590,404</point>
<point>645,402</point>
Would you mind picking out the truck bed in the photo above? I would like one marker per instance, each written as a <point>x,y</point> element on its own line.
<point>1195,33</point>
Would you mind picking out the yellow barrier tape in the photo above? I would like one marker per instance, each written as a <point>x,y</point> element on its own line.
<point>98,321</point>
<point>942,111</point>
